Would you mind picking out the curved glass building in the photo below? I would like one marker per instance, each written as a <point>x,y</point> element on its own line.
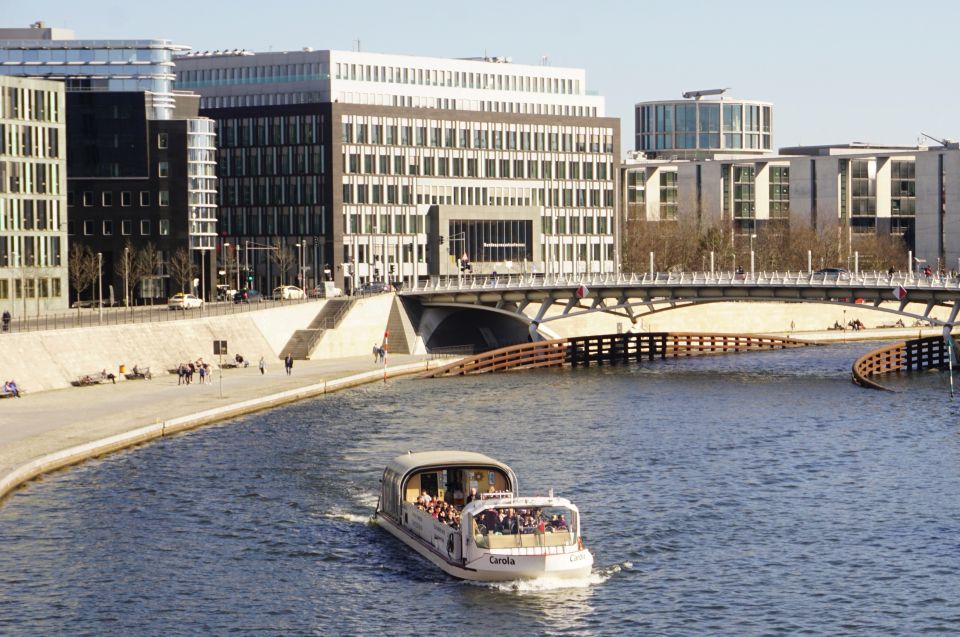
<point>702,128</point>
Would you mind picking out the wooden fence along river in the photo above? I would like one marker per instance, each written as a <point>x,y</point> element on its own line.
<point>919,354</point>
<point>610,349</point>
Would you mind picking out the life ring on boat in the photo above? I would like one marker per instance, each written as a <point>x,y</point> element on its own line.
<point>450,545</point>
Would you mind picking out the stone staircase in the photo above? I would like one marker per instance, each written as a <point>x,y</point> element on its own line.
<point>303,342</point>
<point>401,331</point>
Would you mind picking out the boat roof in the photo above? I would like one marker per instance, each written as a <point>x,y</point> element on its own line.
<point>412,460</point>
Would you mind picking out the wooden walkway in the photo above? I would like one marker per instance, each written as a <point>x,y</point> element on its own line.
<point>915,355</point>
<point>610,349</point>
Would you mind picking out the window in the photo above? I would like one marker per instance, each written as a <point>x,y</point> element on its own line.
<point>87,198</point>
<point>145,227</point>
<point>162,141</point>
<point>164,225</point>
<point>164,198</point>
<point>163,169</point>
<point>126,227</point>
<point>88,227</point>
<point>106,199</point>
<point>107,227</point>
<point>144,198</point>
<point>126,198</point>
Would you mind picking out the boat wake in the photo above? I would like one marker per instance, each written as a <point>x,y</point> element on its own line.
<point>541,584</point>
<point>337,514</point>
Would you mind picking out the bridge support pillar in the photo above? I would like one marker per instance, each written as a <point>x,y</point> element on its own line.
<point>947,331</point>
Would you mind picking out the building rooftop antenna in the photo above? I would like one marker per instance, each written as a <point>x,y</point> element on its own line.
<point>704,92</point>
<point>942,142</point>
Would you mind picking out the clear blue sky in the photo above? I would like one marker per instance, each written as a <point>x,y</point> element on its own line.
<point>836,71</point>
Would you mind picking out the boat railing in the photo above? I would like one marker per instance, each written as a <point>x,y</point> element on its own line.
<point>493,495</point>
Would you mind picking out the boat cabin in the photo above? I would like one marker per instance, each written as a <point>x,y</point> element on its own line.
<point>444,475</point>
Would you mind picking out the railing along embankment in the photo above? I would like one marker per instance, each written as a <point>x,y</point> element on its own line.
<point>918,354</point>
<point>610,349</point>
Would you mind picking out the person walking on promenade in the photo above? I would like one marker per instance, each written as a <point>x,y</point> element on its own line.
<point>262,365</point>
<point>288,363</point>
<point>6,320</point>
<point>181,374</point>
<point>203,372</point>
<point>376,353</point>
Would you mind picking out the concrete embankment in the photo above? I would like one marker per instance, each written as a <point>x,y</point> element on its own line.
<point>47,431</point>
<point>52,359</point>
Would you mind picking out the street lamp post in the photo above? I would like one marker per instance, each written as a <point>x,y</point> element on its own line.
<point>752,237</point>
<point>300,277</point>
<point>100,287</point>
<point>126,275</point>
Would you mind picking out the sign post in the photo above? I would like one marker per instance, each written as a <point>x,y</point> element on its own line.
<point>220,349</point>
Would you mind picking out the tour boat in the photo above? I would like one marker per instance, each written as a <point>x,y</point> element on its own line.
<point>501,536</point>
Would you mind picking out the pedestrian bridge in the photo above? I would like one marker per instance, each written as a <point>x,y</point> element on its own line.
<point>535,300</point>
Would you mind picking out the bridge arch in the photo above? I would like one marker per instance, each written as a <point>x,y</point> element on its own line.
<point>476,327</point>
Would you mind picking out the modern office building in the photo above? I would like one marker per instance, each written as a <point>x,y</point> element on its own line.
<point>33,238</point>
<point>705,124</point>
<point>140,160</point>
<point>856,189</point>
<point>388,167</point>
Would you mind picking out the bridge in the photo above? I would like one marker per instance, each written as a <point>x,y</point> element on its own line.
<point>535,300</point>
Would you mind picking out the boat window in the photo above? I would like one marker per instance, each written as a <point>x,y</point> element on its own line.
<point>506,527</point>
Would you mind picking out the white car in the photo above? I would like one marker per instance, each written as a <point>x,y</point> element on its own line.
<point>181,301</point>
<point>288,292</point>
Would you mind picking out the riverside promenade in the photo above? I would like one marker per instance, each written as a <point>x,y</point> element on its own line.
<point>48,430</point>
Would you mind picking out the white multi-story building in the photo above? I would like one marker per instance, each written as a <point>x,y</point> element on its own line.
<point>392,167</point>
<point>33,233</point>
<point>857,189</point>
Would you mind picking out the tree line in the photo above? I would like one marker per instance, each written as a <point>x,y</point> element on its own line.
<point>684,245</point>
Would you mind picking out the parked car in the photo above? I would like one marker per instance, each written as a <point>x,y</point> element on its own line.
<point>287,292</point>
<point>247,296</point>
<point>182,301</point>
<point>374,287</point>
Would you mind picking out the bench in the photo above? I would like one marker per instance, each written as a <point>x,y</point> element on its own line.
<point>9,394</point>
<point>93,379</point>
<point>139,373</point>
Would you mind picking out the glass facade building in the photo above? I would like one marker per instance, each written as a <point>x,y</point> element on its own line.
<point>692,129</point>
<point>141,163</point>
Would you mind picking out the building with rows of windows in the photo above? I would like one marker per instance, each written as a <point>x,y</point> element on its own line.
<point>140,161</point>
<point>33,241</point>
<point>388,167</point>
<point>858,189</point>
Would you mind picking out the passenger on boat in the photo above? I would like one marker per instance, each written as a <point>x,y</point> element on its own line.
<point>473,495</point>
<point>424,498</point>
<point>560,524</point>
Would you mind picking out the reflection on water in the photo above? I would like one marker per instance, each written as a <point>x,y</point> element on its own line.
<point>730,495</point>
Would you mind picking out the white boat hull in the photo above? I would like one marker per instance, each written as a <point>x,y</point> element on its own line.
<point>495,566</point>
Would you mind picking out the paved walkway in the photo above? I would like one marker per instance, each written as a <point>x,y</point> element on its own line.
<point>44,423</point>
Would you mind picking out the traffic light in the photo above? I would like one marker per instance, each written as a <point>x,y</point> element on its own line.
<point>250,278</point>
<point>441,239</point>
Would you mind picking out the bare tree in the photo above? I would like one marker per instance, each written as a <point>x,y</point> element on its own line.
<point>182,269</point>
<point>82,268</point>
<point>284,258</point>
<point>146,264</point>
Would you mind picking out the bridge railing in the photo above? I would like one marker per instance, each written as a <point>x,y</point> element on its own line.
<point>500,282</point>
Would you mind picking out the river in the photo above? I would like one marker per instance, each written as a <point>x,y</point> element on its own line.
<point>749,494</point>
